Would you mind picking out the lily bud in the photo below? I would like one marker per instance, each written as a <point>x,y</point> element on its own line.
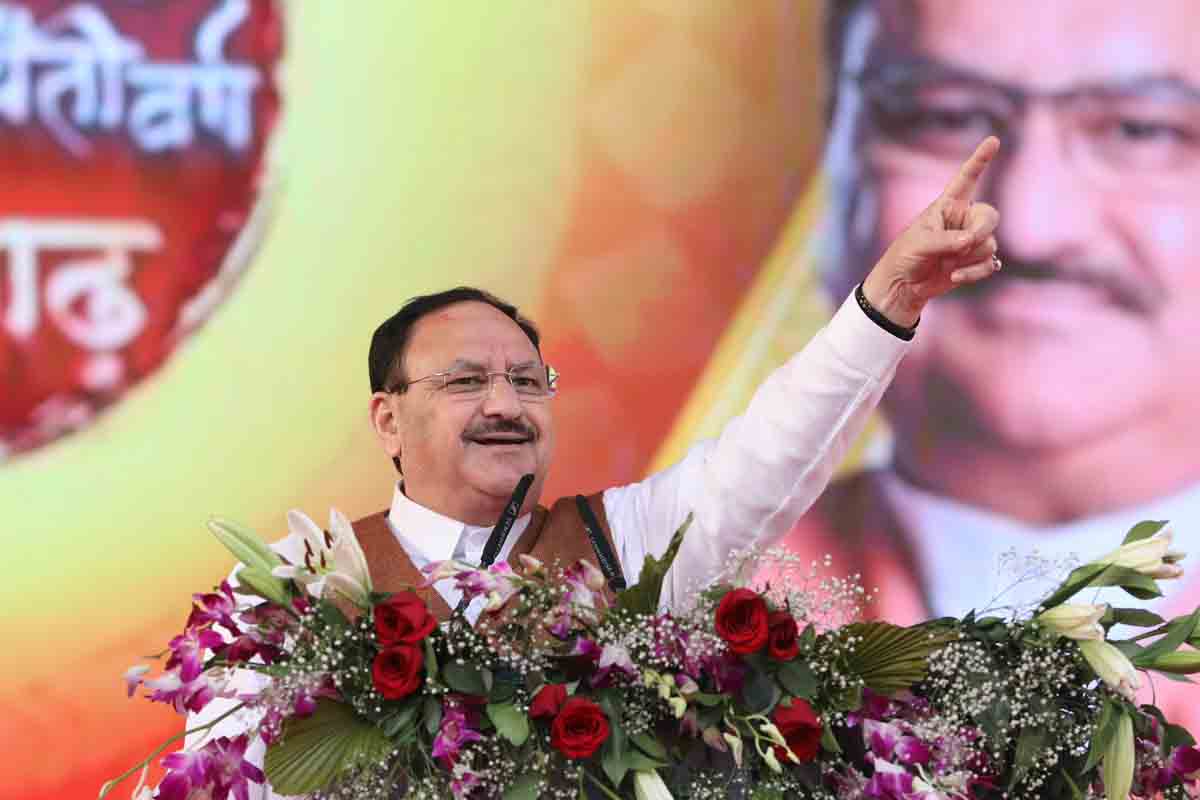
<point>1079,621</point>
<point>735,747</point>
<point>678,706</point>
<point>1151,556</point>
<point>1180,662</point>
<point>1112,666</point>
<point>772,733</point>
<point>713,738</point>
<point>772,761</point>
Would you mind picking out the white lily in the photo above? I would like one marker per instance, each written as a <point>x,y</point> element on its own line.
<point>333,560</point>
<point>647,785</point>
<point>1112,666</point>
<point>1151,556</point>
<point>1079,621</point>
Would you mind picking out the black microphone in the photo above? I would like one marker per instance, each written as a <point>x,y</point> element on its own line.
<point>500,532</point>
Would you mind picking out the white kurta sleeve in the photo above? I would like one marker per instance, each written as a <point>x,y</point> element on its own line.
<point>768,465</point>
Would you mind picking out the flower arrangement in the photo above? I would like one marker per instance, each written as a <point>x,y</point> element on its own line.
<point>565,689</point>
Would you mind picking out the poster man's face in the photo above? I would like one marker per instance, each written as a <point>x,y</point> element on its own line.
<point>1093,328</point>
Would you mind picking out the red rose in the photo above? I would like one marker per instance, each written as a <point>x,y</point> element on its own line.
<point>579,729</point>
<point>742,621</point>
<point>548,701</point>
<point>781,636</point>
<point>397,671</point>
<point>800,728</point>
<point>403,619</point>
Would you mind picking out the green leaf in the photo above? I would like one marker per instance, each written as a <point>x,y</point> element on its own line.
<point>1144,530</point>
<point>1106,728</point>
<point>613,757</point>
<point>1117,764</point>
<point>1184,662</point>
<point>636,761</point>
<point>314,750</point>
<point>1140,586</point>
<point>1179,630</point>
<point>1076,794</point>
<point>332,616</point>
<point>431,664</point>
<point>397,723</point>
<point>848,699</point>
<point>650,746</point>
<point>829,742</point>
<point>245,544</point>
<point>643,597</point>
<point>465,678</point>
<point>760,693</point>
<point>510,723</point>
<point>994,719</point>
<point>797,679</point>
<point>1029,744</point>
<point>1177,736</point>
<point>1138,617</point>
<point>614,766</point>
<point>431,710</point>
<point>890,658</point>
<point>808,639</point>
<point>705,699</point>
<point>524,788</point>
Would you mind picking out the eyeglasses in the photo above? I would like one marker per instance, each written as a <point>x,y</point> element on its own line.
<point>533,383</point>
<point>1137,130</point>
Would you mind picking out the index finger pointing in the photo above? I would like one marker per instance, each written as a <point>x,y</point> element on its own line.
<point>962,187</point>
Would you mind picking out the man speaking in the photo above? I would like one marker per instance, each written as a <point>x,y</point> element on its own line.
<point>463,403</point>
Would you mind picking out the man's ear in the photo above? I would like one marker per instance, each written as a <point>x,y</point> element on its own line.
<point>385,419</point>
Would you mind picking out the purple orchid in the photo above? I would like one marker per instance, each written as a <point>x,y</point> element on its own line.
<point>560,622</point>
<point>464,784</point>
<point>584,590</point>
<point>888,741</point>
<point>890,782</point>
<point>228,770</point>
<point>728,672</point>
<point>874,706</point>
<point>187,651</point>
<point>498,583</point>
<point>1184,763</point>
<point>186,770</point>
<point>215,608</point>
<point>613,658</point>
<point>455,731</point>
<point>183,696</point>
<point>133,678</point>
<point>586,647</point>
<point>671,644</point>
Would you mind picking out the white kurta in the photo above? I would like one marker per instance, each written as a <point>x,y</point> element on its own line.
<point>749,486</point>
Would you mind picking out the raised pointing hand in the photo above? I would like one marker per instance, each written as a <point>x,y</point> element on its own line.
<point>951,243</point>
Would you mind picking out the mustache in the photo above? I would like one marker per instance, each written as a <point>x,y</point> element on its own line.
<point>501,426</point>
<point>1142,295</point>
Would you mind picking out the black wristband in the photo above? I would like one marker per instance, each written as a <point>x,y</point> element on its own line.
<point>876,316</point>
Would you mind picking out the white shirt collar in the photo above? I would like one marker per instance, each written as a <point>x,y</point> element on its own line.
<point>428,536</point>
<point>959,547</point>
